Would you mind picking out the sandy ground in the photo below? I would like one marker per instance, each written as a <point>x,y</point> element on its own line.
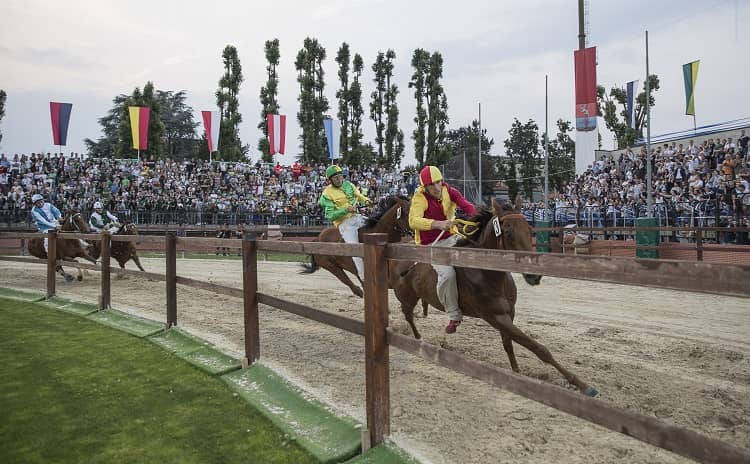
<point>683,358</point>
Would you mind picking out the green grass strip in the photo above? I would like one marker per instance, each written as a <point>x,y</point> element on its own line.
<point>73,391</point>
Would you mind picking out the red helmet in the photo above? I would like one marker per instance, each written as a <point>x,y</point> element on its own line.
<point>429,175</point>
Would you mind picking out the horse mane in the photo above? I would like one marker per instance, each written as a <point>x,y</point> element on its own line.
<point>383,206</point>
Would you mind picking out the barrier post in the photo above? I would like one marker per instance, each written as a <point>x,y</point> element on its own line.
<point>51,262</point>
<point>250,298</point>
<point>106,299</point>
<point>377,381</point>
<point>171,254</point>
<point>699,244</point>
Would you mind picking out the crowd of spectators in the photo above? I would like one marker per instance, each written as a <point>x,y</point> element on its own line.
<point>697,185</point>
<point>188,191</point>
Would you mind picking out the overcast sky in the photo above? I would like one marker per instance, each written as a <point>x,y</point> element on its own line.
<point>495,52</point>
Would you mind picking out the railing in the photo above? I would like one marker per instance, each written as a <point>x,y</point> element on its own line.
<point>678,275</point>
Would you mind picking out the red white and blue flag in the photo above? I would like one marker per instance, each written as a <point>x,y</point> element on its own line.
<point>276,133</point>
<point>585,69</point>
<point>212,125</point>
<point>60,114</point>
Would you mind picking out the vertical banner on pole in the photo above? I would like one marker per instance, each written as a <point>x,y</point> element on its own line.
<point>631,89</point>
<point>276,133</point>
<point>139,126</point>
<point>212,124</point>
<point>60,115</point>
<point>690,76</point>
<point>585,71</point>
<point>332,136</point>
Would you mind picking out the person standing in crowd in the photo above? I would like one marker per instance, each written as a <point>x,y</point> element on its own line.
<point>339,202</point>
<point>432,215</point>
<point>46,216</point>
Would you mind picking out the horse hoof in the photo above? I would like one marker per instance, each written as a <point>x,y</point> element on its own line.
<point>68,278</point>
<point>592,392</point>
<point>79,278</point>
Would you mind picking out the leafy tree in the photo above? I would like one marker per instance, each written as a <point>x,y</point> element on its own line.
<point>106,145</point>
<point>464,142</point>
<point>420,61</point>
<point>358,154</point>
<point>384,111</point>
<point>437,108</point>
<point>522,150</point>
<point>230,147</point>
<point>562,156</point>
<point>179,125</point>
<point>147,98</point>
<point>313,103</point>
<point>343,58</point>
<point>268,96</point>
<point>607,107</point>
<point>3,97</point>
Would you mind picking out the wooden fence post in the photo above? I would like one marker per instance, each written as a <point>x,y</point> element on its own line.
<point>250,298</point>
<point>699,244</point>
<point>377,381</point>
<point>106,300</point>
<point>51,262</point>
<point>171,253</point>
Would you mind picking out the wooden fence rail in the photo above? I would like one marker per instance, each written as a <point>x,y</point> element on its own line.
<point>680,275</point>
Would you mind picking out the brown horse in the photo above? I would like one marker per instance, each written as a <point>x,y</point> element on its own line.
<point>122,252</point>
<point>67,249</point>
<point>490,295</point>
<point>392,219</point>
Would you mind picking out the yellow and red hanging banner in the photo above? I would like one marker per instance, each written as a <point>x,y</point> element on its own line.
<point>139,126</point>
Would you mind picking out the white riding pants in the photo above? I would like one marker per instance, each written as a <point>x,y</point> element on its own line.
<point>447,287</point>
<point>349,232</point>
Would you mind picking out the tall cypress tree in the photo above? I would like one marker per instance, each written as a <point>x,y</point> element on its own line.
<point>394,137</point>
<point>343,58</point>
<point>376,103</point>
<point>420,61</point>
<point>437,108</point>
<point>313,104</point>
<point>359,154</point>
<point>268,96</point>
<point>230,147</point>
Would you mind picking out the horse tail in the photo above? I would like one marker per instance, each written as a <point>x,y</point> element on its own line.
<point>309,268</point>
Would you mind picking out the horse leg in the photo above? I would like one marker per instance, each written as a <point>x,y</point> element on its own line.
<point>408,311</point>
<point>508,346</point>
<point>504,323</point>
<point>341,275</point>
<point>137,262</point>
<point>425,306</point>
<point>79,277</point>
<point>67,277</point>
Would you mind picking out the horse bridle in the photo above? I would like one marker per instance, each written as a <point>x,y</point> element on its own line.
<point>73,223</point>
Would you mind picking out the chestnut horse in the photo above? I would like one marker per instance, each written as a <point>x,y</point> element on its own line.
<point>67,249</point>
<point>392,219</point>
<point>490,295</point>
<point>122,252</point>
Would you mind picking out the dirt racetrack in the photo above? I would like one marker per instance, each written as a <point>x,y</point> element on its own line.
<point>681,357</point>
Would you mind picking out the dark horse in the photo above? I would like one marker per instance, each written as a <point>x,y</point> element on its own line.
<point>490,295</point>
<point>122,252</point>
<point>67,249</point>
<point>392,219</point>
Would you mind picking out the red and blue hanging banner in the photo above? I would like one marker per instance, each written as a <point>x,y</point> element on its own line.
<point>60,114</point>
<point>139,126</point>
<point>585,72</point>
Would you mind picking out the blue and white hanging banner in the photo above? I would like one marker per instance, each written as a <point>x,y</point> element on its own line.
<point>632,89</point>
<point>332,136</point>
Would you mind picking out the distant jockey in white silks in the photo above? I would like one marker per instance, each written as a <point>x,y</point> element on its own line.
<point>45,216</point>
<point>103,220</point>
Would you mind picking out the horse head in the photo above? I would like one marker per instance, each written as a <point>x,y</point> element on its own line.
<point>73,222</point>
<point>392,218</point>
<point>504,227</point>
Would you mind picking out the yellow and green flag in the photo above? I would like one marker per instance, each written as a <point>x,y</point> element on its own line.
<point>690,74</point>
